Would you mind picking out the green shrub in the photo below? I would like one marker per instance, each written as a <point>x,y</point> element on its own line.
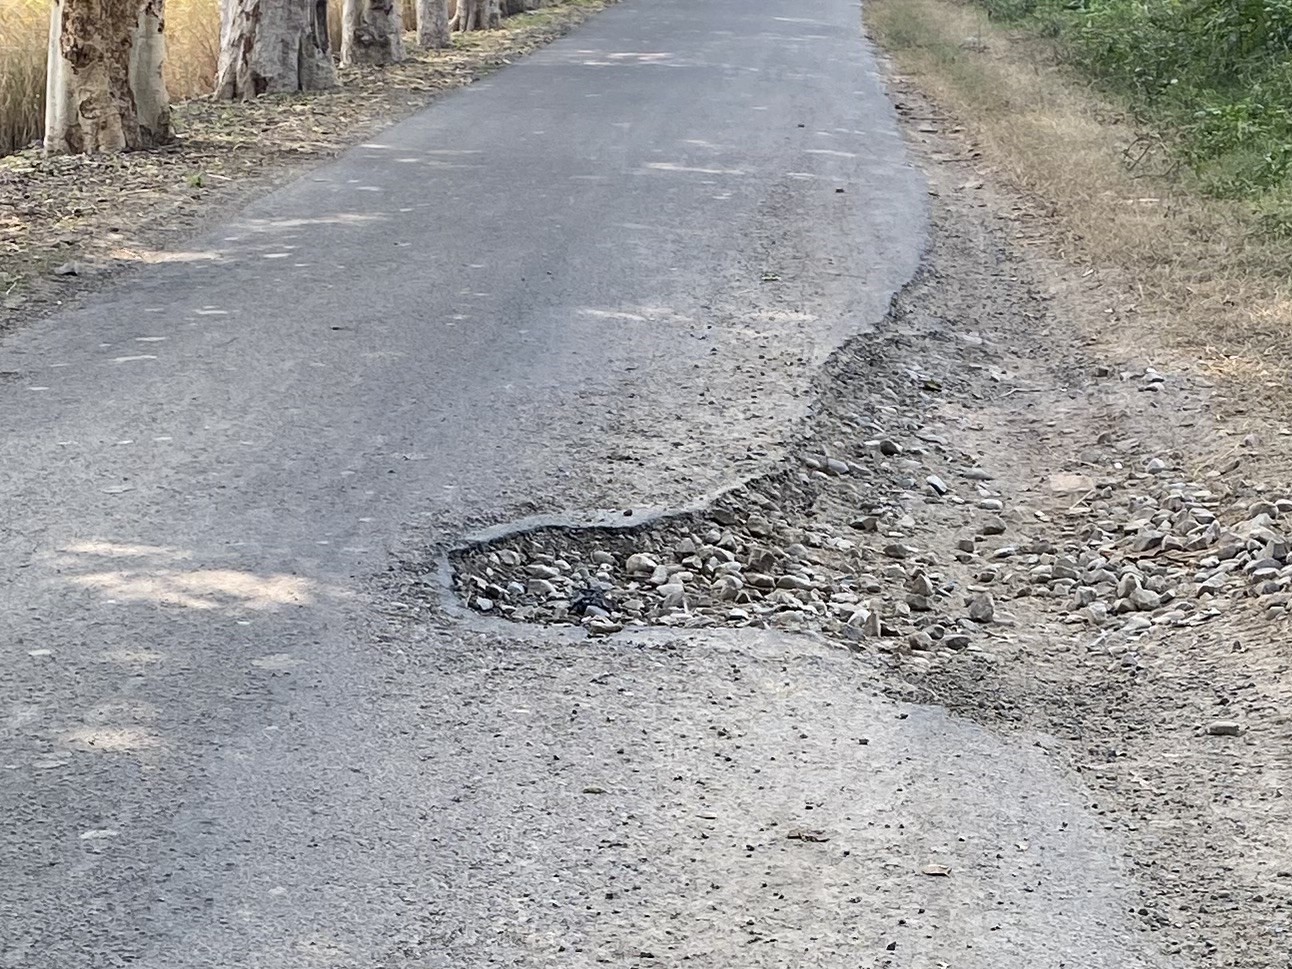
<point>1214,77</point>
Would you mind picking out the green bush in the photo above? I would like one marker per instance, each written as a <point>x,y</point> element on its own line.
<point>1214,77</point>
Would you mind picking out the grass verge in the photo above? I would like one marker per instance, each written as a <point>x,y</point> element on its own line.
<point>1204,277</point>
<point>1212,77</point>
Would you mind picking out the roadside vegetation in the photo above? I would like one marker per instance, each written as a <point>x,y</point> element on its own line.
<point>192,46</point>
<point>1157,133</point>
<point>1211,78</point>
<point>191,50</point>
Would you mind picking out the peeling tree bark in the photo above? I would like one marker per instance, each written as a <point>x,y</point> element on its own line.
<point>372,32</point>
<point>433,23</point>
<point>273,47</point>
<point>105,90</point>
<point>478,15</point>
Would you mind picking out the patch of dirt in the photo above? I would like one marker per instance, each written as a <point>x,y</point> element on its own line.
<point>1021,520</point>
<point>67,223</point>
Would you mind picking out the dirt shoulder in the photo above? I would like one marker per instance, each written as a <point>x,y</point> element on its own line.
<point>1203,277</point>
<point>69,223</point>
<point>1174,705</point>
<point>1013,511</point>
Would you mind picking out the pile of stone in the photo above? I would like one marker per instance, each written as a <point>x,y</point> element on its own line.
<point>726,569</point>
<point>759,558</point>
<point>1143,552</point>
<point>1179,552</point>
<point>1129,555</point>
<point>899,540</point>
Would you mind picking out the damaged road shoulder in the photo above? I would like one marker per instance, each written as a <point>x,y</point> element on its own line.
<point>1002,522</point>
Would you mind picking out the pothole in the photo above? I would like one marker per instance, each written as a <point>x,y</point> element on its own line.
<point>1021,531</point>
<point>893,526</point>
<point>760,556</point>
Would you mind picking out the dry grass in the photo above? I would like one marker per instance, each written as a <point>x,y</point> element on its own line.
<point>193,47</point>
<point>23,28</point>
<point>1204,278</point>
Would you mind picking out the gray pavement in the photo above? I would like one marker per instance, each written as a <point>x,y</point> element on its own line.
<point>602,278</point>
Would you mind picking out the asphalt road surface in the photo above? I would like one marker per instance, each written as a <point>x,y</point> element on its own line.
<point>601,278</point>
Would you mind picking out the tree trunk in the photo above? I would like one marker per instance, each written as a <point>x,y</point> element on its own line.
<point>104,88</point>
<point>272,47</point>
<point>433,23</point>
<point>372,32</point>
<point>478,15</point>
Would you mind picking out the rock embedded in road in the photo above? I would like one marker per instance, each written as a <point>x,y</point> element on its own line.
<point>639,563</point>
<point>1145,600</point>
<point>982,608</point>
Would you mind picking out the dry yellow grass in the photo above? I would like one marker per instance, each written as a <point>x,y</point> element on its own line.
<point>23,27</point>
<point>1205,279</point>
<point>193,47</point>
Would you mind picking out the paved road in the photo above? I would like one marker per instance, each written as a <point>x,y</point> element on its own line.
<point>601,278</point>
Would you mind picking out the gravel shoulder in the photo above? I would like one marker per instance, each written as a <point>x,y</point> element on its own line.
<point>1004,511</point>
